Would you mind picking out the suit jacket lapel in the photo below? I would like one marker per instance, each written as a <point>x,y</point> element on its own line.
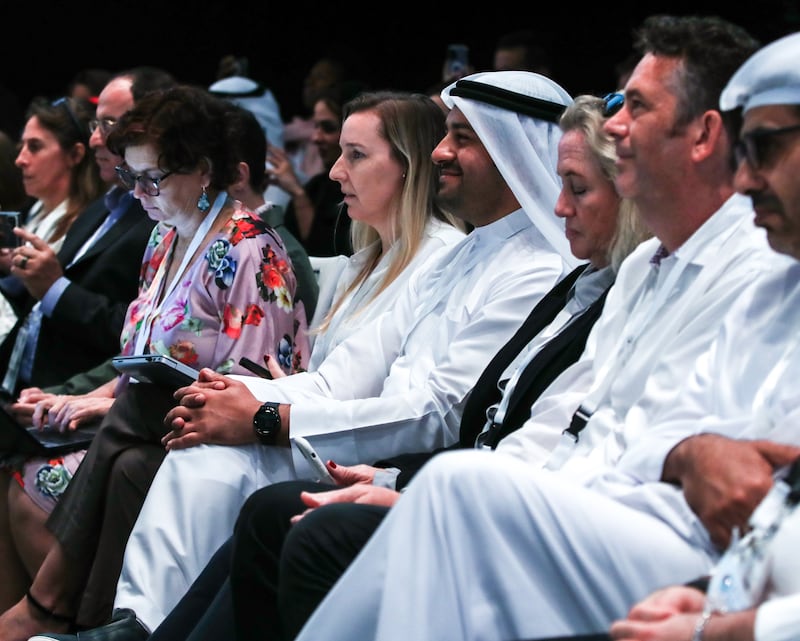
<point>81,230</point>
<point>128,219</point>
<point>485,392</point>
<point>560,351</point>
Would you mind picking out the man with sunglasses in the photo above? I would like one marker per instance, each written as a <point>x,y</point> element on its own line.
<point>760,338</point>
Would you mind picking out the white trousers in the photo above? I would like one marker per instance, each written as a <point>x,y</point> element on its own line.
<point>190,510</point>
<point>484,547</point>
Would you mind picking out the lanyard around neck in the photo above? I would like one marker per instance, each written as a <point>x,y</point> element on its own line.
<point>156,302</point>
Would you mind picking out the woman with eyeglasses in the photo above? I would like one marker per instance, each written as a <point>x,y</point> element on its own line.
<point>59,172</point>
<point>391,184</point>
<point>216,285</point>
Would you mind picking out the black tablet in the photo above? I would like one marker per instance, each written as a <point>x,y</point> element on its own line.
<point>157,369</point>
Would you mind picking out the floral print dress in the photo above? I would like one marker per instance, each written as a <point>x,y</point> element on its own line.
<point>236,299</point>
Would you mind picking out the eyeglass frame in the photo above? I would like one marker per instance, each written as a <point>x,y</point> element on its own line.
<point>104,124</point>
<point>78,127</point>
<point>147,183</point>
<point>612,103</point>
<point>745,148</point>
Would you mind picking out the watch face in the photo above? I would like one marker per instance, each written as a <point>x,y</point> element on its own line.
<point>267,423</point>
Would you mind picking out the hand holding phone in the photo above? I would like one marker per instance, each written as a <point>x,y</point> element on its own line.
<point>9,220</point>
<point>320,471</point>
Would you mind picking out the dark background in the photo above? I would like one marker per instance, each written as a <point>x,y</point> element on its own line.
<point>393,44</point>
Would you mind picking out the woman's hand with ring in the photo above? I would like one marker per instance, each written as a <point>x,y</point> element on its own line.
<point>37,265</point>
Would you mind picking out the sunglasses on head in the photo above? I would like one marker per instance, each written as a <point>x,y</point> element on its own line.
<point>612,103</point>
<point>64,102</point>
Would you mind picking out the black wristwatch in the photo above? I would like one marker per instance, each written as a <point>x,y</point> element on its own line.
<point>267,423</point>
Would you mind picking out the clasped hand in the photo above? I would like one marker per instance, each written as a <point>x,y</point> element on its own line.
<point>214,409</point>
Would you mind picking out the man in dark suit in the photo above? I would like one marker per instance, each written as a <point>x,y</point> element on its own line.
<point>91,292</point>
<point>74,304</point>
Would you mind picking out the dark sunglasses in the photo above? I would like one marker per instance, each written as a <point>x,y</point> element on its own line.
<point>612,103</point>
<point>758,147</point>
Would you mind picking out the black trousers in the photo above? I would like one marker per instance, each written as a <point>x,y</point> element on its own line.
<point>317,552</point>
<point>299,564</point>
<point>96,514</point>
<point>280,572</point>
<point>256,564</point>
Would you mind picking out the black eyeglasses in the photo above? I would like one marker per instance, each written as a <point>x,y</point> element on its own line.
<point>612,103</point>
<point>105,125</point>
<point>149,184</point>
<point>758,147</point>
<point>78,127</point>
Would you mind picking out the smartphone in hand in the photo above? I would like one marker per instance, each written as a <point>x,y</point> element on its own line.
<point>9,220</point>
<point>317,465</point>
<point>258,370</point>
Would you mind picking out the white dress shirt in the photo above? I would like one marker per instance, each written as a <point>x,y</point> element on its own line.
<point>399,372</point>
<point>658,318</point>
<point>359,308</point>
<point>503,565</point>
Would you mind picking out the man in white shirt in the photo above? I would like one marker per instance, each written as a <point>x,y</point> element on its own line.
<point>520,552</point>
<point>401,382</point>
<point>760,338</point>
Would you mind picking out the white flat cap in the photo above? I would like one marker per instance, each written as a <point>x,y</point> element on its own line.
<point>771,76</point>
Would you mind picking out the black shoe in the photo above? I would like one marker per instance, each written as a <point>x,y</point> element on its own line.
<point>124,626</point>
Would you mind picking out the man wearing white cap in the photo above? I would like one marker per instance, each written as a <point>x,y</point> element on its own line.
<point>746,387</point>
<point>485,545</point>
<point>399,384</point>
<point>234,84</point>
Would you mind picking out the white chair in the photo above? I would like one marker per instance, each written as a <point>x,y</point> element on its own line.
<point>327,269</point>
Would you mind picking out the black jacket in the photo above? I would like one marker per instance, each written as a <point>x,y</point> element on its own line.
<point>85,327</point>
